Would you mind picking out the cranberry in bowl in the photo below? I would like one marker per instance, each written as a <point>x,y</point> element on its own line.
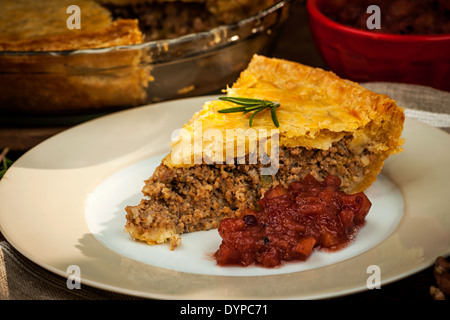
<point>408,43</point>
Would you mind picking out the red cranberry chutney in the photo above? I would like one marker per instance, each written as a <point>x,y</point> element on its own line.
<point>292,222</point>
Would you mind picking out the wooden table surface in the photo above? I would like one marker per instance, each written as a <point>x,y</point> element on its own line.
<point>294,44</point>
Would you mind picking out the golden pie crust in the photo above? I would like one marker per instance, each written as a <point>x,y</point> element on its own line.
<point>27,25</point>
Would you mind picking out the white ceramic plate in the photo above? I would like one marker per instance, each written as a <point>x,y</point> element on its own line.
<point>61,204</point>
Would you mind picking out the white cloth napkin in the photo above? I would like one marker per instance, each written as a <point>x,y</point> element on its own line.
<point>425,104</point>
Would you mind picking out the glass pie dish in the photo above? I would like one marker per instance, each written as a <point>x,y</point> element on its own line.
<point>93,81</point>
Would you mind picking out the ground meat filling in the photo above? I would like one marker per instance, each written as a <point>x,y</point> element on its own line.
<point>199,197</point>
<point>339,160</point>
<point>167,20</point>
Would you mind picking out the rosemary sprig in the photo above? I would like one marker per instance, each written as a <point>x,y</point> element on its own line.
<point>4,162</point>
<point>252,105</point>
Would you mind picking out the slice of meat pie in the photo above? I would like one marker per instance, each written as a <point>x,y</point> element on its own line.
<point>220,165</point>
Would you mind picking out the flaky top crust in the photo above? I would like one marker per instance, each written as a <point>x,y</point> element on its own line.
<point>317,108</point>
<point>28,25</point>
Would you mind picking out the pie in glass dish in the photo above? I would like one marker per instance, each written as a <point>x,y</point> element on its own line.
<point>121,56</point>
<point>50,69</point>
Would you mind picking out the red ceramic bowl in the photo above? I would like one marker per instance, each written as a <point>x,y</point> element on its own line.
<point>361,55</point>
